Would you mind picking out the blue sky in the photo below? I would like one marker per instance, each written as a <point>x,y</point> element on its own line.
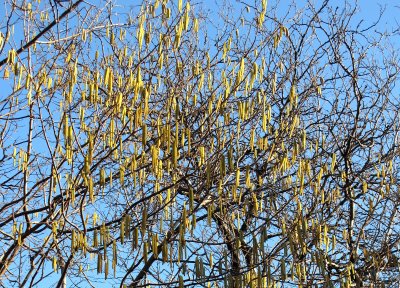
<point>368,13</point>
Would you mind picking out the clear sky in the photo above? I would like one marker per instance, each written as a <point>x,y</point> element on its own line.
<point>369,11</point>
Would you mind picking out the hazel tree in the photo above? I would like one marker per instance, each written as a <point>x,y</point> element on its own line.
<point>160,144</point>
